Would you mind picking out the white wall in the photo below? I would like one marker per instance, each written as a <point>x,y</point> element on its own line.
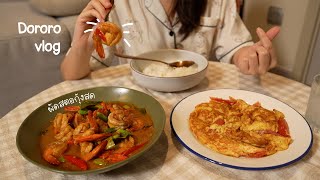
<point>313,67</point>
<point>293,43</point>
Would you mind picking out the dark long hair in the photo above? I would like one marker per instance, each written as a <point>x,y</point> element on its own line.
<point>189,13</point>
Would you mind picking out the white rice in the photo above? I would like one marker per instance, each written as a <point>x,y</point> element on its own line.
<point>162,70</point>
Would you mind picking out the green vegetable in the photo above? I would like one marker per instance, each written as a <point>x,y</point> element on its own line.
<point>143,110</point>
<point>126,106</point>
<point>102,116</point>
<point>83,111</point>
<point>116,136</point>
<point>99,106</point>
<point>91,105</point>
<point>110,144</point>
<point>123,133</point>
<point>61,159</point>
<point>110,130</point>
<point>99,162</point>
<point>43,132</point>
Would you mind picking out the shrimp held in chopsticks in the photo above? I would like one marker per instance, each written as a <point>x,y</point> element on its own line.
<point>106,33</point>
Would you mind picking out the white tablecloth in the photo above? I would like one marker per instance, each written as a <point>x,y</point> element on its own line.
<point>167,159</point>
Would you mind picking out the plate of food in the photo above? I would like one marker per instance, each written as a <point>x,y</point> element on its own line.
<point>91,130</point>
<point>241,129</point>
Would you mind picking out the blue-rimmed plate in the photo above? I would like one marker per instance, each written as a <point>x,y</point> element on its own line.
<point>300,131</point>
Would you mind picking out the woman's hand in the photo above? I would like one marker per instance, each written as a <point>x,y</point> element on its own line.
<point>96,9</point>
<point>260,57</point>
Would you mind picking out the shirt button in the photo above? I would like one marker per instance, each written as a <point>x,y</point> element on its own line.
<point>171,33</point>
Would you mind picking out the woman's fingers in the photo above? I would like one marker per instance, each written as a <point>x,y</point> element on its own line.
<point>264,39</point>
<point>101,6</point>
<point>260,57</point>
<point>271,34</point>
<point>253,62</point>
<point>274,60</point>
<point>243,66</point>
<point>89,15</point>
<point>246,60</point>
<point>265,42</point>
<point>81,25</point>
<point>264,59</point>
<point>106,3</point>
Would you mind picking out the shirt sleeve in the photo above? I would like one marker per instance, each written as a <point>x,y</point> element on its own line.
<point>97,63</point>
<point>232,34</point>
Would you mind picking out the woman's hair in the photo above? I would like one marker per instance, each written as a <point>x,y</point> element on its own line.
<point>189,13</point>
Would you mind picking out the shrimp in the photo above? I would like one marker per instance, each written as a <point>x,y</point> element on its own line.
<point>92,121</point>
<point>86,147</point>
<point>78,119</point>
<point>137,124</point>
<point>80,129</point>
<point>83,130</point>
<point>124,145</point>
<point>106,33</point>
<point>120,119</point>
<point>62,128</point>
<point>92,137</point>
<point>95,151</point>
<point>53,151</point>
<point>65,134</point>
<point>61,121</point>
<point>102,125</point>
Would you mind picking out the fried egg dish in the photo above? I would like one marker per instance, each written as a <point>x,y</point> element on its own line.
<point>234,128</point>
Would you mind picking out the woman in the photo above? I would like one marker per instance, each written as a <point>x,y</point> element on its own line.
<point>210,28</point>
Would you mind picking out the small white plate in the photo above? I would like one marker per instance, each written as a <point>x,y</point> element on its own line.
<point>300,131</point>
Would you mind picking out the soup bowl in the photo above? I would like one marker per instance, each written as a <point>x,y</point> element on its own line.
<point>28,136</point>
<point>154,78</point>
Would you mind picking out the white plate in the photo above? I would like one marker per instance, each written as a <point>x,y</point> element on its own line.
<point>300,131</point>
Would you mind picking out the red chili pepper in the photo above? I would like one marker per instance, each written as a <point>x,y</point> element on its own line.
<point>116,157</point>
<point>224,101</point>
<point>283,128</point>
<point>220,122</point>
<point>76,161</point>
<point>132,149</point>
<point>106,154</point>
<point>112,157</point>
<point>257,154</point>
<point>100,34</point>
<point>72,108</point>
<point>70,142</point>
<point>105,108</point>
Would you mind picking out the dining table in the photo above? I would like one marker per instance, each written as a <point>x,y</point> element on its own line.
<point>167,158</point>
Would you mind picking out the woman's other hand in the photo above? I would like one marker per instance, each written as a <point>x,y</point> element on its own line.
<point>260,57</point>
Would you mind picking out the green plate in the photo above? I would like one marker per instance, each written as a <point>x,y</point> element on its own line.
<point>28,135</point>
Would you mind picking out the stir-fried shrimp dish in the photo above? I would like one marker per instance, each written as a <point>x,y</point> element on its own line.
<point>95,135</point>
<point>106,33</point>
<point>234,128</point>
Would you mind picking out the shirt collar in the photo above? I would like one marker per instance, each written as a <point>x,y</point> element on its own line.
<point>156,9</point>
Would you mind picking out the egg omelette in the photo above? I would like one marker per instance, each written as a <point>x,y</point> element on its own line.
<point>234,128</point>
